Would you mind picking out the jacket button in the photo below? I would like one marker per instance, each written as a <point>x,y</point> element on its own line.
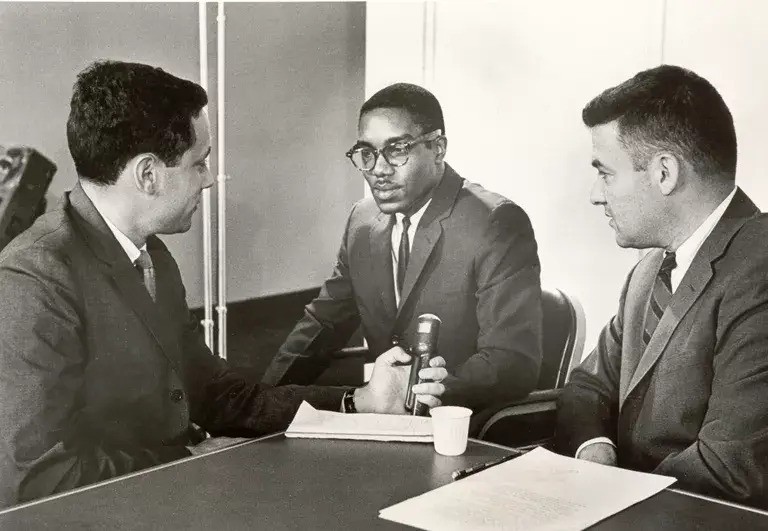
<point>177,395</point>
<point>395,340</point>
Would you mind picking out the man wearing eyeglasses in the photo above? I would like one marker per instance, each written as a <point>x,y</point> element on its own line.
<point>427,241</point>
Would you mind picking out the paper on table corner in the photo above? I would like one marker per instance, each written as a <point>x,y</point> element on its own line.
<point>312,423</point>
<point>539,491</point>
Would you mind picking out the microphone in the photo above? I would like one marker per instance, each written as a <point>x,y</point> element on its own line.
<point>427,330</point>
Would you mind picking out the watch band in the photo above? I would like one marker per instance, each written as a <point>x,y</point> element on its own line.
<point>349,401</point>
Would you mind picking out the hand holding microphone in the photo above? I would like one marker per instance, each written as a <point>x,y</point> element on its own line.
<point>423,350</point>
<point>386,390</point>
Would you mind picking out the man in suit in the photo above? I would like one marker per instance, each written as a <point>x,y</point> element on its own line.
<point>102,368</point>
<point>427,241</point>
<point>678,382</point>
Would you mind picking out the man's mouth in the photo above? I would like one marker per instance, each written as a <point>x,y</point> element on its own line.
<point>385,191</point>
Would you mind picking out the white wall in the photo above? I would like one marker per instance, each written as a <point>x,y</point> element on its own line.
<point>726,42</point>
<point>294,82</point>
<point>512,79</point>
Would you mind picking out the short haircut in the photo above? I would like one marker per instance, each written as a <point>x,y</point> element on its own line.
<point>119,110</point>
<point>417,101</point>
<point>673,109</point>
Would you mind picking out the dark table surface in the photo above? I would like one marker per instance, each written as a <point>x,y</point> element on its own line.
<point>278,483</point>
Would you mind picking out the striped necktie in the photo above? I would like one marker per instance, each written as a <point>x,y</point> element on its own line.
<point>660,297</point>
<point>403,254</point>
<point>144,263</point>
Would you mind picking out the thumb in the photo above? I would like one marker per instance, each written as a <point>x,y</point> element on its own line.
<point>395,355</point>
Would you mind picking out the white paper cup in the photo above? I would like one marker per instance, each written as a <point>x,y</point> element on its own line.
<point>450,428</point>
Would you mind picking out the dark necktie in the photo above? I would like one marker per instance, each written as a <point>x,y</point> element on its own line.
<point>660,297</point>
<point>144,263</point>
<point>402,255</point>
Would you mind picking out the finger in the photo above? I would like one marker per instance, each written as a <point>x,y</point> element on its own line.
<point>437,361</point>
<point>429,388</point>
<point>429,400</point>
<point>395,355</point>
<point>435,374</point>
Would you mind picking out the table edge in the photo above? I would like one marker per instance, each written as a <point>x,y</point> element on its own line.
<point>718,500</point>
<point>98,484</point>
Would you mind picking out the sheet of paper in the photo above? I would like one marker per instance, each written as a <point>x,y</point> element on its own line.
<point>312,423</point>
<point>539,491</point>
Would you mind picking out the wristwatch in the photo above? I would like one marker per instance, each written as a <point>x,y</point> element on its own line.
<point>348,401</point>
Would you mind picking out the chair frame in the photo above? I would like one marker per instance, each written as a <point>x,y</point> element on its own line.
<point>546,399</point>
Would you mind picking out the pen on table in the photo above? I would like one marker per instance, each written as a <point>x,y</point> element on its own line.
<point>460,474</point>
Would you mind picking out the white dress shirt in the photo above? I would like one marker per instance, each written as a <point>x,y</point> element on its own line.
<point>684,258</point>
<point>125,242</point>
<point>687,251</point>
<point>397,231</point>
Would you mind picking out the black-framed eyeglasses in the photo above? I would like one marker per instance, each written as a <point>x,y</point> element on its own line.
<point>396,154</point>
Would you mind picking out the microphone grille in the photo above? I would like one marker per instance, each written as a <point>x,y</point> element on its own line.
<point>428,323</point>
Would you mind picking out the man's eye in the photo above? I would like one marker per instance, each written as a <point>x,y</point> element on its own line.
<point>398,149</point>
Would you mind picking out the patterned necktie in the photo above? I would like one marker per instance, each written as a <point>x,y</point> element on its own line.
<point>660,297</point>
<point>403,254</point>
<point>144,263</point>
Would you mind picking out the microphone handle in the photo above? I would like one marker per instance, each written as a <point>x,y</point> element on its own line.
<point>419,409</point>
<point>413,379</point>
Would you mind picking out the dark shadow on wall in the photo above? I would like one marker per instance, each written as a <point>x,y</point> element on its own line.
<point>257,327</point>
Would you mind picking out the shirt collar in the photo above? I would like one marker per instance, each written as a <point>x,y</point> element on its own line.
<point>415,217</point>
<point>687,251</point>
<point>125,242</point>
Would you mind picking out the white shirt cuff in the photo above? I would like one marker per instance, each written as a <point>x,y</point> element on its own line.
<point>593,441</point>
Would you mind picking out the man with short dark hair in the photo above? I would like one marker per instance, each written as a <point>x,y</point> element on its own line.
<point>427,241</point>
<point>102,368</point>
<point>678,382</point>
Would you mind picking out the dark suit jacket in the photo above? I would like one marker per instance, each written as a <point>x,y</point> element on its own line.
<point>473,263</point>
<point>96,380</point>
<point>694,403</point>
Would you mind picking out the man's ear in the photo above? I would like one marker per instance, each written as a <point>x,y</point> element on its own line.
<point>146,173</point>
<point>441,145</point>
<point>666,171</point>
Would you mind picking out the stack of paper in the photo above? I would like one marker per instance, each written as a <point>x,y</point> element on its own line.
<point>539,491</point>
<point>309,422</point>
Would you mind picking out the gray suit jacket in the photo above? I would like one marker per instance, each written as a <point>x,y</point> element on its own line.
<point>97,380</point>
<point>691,405</point>
<point>473,263</point>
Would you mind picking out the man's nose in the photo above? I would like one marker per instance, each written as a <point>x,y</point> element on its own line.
<point>597,194</point>
<point>381,166</point>
<point>209,180</point>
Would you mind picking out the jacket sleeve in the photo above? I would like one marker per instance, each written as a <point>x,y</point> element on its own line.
<point>225,402</point>
<point>45,447</point>
<point>506,364</point>
<point>328,323</point>
<point>588,406</point>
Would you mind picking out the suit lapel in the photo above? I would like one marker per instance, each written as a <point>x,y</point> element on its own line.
<point>381,262</point>
<point>639,290</point>
<point>429,232</point>
<point>693,284</point>
<point>122,275</point>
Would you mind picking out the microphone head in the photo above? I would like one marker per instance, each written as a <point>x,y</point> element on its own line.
<point>427,330</point>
